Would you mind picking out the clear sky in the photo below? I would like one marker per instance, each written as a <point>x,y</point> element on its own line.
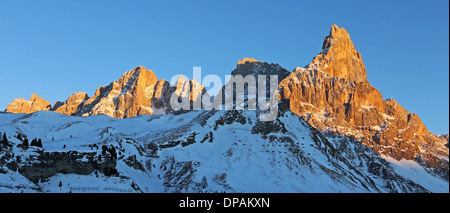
<point>56,48</point>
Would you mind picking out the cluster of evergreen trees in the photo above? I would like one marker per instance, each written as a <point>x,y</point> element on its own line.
<point>35,142</point>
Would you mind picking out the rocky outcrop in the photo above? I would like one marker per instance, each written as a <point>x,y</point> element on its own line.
<point>333,95</point>
<point>73,104</point>
<point>339,57</point>
<point>35,104</point>
<point>251,67</point>
<point>445,137</point>
<point>127,97</point>
<point>48,164</point>
<point>138,92</point>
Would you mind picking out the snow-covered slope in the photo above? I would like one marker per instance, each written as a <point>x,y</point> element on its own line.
<point>198,151</point>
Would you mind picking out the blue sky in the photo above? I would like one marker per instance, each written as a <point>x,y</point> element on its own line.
<point>56,48</point>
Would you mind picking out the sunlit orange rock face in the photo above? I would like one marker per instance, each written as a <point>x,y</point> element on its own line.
<point>339,57</point>
<point>137,92</point>
<point>333,95</point>
<point>73,104</point>
<point>35,104</point>
<point>127,97</point>
<point>247,60</point>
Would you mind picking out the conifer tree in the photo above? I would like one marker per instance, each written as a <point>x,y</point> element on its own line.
<point>25,143</point>
<point>36,142</point>
<point>5,139</point>
<point>104,148</point>
<point>39,143</point>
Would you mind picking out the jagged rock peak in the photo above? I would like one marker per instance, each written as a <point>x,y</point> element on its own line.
<point>36,103</point>
<point>339,57</point>
<point>180,80</point>
<point>336,32</point>
<point>141,75</point>
<point>333,95</point>
<point>129,96</point>
<point>72,105</point>
<point>250,66</point>
<point>247,60</point>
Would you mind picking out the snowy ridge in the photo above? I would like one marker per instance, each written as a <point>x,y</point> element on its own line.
<point>198,151</point>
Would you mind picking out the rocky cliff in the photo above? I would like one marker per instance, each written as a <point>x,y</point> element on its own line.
<point>35,104</point>
<point>137,92</point>
<point>333,95</point>
<point>72,105</point>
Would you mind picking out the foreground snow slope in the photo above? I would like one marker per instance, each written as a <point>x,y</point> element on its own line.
<point>199,151</point>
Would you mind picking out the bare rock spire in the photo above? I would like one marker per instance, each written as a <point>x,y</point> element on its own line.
<point>339,57</point>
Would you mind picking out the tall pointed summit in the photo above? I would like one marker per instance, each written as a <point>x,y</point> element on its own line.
<point>333,95</point>
<point>339,57</point>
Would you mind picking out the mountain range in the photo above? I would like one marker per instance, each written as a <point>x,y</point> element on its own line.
<point>334,133</point>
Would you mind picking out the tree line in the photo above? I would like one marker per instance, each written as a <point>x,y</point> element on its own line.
<point>4,142</point>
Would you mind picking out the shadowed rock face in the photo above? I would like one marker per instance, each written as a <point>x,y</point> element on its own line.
<point>254,68</point>
<point>333,95</point>
<point>250,66</point>
<point>49,164</point>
